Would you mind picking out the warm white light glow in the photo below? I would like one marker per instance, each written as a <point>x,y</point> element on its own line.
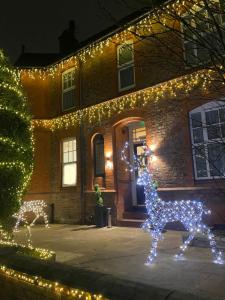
<point>69,174</point>
<point>152,147</point>
<point>153,158</point>
<point>109,164</point>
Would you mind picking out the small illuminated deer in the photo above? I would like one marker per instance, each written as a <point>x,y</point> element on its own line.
<point>37,207</point>
<point>188,212</point>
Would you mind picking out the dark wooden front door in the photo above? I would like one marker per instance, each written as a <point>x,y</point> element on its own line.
<point>139,188</point>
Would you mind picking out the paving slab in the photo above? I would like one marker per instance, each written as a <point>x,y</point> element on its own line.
<point>112,259</point>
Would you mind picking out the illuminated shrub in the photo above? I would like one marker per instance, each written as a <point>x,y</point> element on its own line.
<point>16,146</point>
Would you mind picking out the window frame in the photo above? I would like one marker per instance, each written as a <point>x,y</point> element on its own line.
<point>68,163</point>
<point>94,155</point>
<point>188,64</point>
<point>203,109</point>
<point>68,89</point>
<point>125,66</point>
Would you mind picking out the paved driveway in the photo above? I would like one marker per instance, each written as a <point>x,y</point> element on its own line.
<point>122,251</point>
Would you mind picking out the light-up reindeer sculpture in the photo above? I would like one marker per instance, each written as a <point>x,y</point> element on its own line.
<point>188,212</point>
<point>37,207</point>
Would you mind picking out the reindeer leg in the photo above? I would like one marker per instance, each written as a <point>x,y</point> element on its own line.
<point>218,256</point>
<point>34,220</point>
<point>184,246</point>
<point>153,251</point>
<point>45,220</point>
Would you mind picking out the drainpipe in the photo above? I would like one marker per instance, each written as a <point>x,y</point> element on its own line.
<point>82,145</point>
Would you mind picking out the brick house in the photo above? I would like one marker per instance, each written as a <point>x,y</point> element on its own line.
<point>87,102</point>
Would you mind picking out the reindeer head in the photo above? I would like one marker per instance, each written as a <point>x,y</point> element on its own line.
<point>140,163</point>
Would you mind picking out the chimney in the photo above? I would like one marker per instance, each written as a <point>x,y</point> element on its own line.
<point>67,40</point>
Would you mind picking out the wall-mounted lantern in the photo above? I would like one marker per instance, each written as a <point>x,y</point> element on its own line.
<point>109,163</point>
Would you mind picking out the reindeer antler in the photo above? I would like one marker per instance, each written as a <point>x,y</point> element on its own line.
<point>130,167</point>
<point>138,162</point>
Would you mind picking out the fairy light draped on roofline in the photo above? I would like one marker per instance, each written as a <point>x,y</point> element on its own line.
<point>102,111</point>
<point>139,27</point>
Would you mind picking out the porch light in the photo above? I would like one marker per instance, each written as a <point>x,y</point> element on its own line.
<point>109,163</point>
<point>153,156</point>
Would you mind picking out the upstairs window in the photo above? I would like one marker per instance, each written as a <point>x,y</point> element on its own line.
<point>201,35</point>
<point>99,156</point>
<point>208,140</point>
<point>125,64</point>
<point>69,162</point>
<point>68,89</point>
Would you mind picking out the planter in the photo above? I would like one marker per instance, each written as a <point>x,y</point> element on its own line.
<point>100,216</point>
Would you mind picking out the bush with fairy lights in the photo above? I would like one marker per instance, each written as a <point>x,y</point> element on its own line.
<point>16,146</point>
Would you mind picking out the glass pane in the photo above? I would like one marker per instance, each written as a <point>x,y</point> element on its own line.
<point>139,134</point>
<point>126,77</point>
<point>74,144</point>
<point>198,135</point>
<point>99,154</point>
<point>190,55</point>
<point>125,54</point>
<point>65,146</point>
<point>196,120</point>
<point>65,157</point>
<point>203,53</point>
<point>212,117</point>
<point>216,154</point>
<point>71,159</point>
<point>69,174</point>
<point>200,161</point>
<point>223,131</point>
<point>69,99</point>
<point>222,115</point>
<point>75,155</point>
<point>213,132</point>
<point>70,145</point>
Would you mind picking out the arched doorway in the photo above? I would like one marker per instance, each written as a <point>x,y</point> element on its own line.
<point>130,195</point>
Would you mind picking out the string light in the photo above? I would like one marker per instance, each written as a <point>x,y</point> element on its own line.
<point>103,111</point>
<point>19,146</point>
<point>54,287</point>
<point>37,207</point>
<point>160,212</point>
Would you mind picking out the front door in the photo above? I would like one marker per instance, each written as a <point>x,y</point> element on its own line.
<point>137,138</point>
<point>140,197</point>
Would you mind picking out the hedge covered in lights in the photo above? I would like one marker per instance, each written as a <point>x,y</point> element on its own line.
<point>16,145</point>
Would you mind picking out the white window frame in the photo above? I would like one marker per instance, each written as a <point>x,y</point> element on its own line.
<point>193,37</point>
<point>68,163</point>
<point>125,66</point>
<point>67,89</point>
<point>210,106</point>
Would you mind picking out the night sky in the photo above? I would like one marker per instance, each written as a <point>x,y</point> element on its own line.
<point>37,24</point>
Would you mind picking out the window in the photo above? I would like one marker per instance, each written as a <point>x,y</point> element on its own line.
<point>68,89</point>
<point>139,134</point>
<point>125,64</point>
<point>200,33</point>
<point>69,162</point>
<point>208,140</point>
<point>99,155</point>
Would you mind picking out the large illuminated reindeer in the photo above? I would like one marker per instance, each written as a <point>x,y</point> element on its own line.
<point>188,212</point>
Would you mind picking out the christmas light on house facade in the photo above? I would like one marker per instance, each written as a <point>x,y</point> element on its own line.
<point>188,212</point>
<point>160,97</point>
